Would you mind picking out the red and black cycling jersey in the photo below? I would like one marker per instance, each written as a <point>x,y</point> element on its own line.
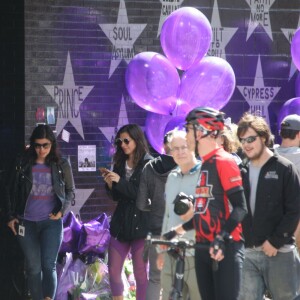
<point>220,176</point>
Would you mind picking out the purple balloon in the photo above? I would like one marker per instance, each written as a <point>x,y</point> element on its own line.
<point>185,37</point>
<point>94,236</point>
<point>71,234</point>
<point>290,107</point>
<point>157,126</point>
<point>297,85</point>
<point>210,82</point>
<point>295,48</point>
<point>152,82</point>
<point>175,122</point>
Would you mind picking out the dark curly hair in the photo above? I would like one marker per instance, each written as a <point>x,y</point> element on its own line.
<point>136,133</point>
<point>43,132</point>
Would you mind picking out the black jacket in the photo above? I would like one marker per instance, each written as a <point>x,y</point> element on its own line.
<point>277,207</point>
<point>20,185</point>
<point>128,222</point>
<point>152,187</point>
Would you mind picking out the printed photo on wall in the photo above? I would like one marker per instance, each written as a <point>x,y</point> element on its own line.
<point>86,158</point>
<point>50,115</point>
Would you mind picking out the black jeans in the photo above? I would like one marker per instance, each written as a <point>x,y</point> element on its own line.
<point>223,284</point>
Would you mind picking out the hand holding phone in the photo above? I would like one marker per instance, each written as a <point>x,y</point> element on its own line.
<point>103,171</point>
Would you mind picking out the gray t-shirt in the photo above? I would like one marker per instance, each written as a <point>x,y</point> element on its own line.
<point>253,178</point>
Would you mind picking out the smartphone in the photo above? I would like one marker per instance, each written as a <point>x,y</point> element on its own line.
<point>103,171</point>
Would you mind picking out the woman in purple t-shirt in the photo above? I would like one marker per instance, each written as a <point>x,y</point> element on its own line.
<point>41,190</point>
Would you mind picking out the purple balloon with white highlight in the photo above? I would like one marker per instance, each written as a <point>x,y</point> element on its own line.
<point>211,82</point>
<point>295,48</point>
<point>290,107</point>
<point>185,37</point>
<point>152,82</point>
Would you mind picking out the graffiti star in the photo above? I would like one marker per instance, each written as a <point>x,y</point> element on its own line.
<point>122,35</point>
<point>68,98</point>
<point>221,35</point>
<point>260,15</point>
<point>259,96</point>
<point>168,6</point>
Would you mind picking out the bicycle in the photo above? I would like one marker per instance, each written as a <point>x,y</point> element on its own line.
<point>179,246</point>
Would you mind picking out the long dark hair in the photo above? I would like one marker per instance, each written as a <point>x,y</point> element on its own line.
<point>136,133</point>
<point>43,132</point>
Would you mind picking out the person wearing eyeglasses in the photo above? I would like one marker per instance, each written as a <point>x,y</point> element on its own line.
<point>181,179</point>
<point>218,209</point>
<point>128,226</point>
<point>272,190</point>
<point>39,191</point>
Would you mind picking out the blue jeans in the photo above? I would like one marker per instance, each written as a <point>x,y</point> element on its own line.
<point>279,274</point>
<point>40,245</point>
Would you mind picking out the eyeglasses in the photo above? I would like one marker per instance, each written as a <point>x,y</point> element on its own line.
<point>40,146</point>
<point>248,140</point>
<point>177,149</point>
<point>119,141</point>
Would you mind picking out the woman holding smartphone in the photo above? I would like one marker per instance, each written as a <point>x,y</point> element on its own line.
<point>128,226</point>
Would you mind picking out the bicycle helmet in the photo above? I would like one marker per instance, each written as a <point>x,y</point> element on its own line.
<point>206,119</point>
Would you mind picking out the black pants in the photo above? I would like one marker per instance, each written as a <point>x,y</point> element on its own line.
<point>223,284</point>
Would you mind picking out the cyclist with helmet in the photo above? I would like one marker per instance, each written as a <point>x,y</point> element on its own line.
<point>219,208</point>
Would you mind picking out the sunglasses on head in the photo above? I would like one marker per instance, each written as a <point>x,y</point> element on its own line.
<point>40,146</point>
<point>249,139</point>
<point>119,141</point>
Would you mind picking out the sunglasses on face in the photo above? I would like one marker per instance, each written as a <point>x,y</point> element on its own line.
<point>119,141</point>
<point>248,140</point>
<point>40,146</point>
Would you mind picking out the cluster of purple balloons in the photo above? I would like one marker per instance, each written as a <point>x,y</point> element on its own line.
<point>292,106</point>
<point>153,82</point>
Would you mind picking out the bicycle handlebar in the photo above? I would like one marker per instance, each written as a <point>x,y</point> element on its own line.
<point>181,244</point>
<point>175,243</point>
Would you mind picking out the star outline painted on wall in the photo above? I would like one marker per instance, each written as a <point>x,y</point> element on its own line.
<point>261,11</point>
<point>257,104</point>
<point>122,35</point>
<point>68,98</point>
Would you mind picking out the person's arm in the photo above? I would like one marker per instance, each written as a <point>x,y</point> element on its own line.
<point>121,187</point>
<point>142,201</point>
<point>239,210</point>
<point>69,186</point>
<point>285,229</point>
